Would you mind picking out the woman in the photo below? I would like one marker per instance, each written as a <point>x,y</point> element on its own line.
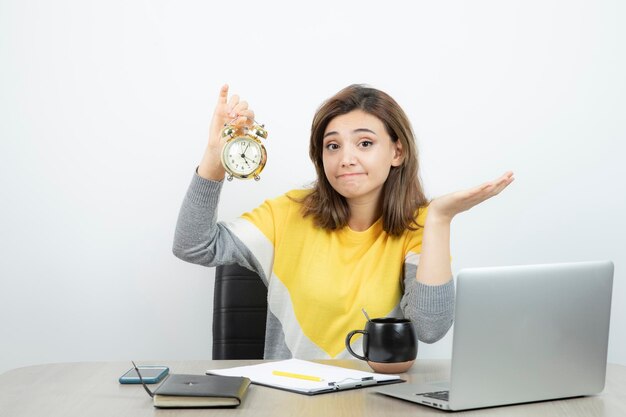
<point>353,241</point>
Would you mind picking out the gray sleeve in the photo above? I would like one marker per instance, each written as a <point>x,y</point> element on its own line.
<point>200,239</point>
<point>430,307</point>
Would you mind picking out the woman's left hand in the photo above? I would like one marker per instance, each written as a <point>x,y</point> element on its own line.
<point>449,205</point>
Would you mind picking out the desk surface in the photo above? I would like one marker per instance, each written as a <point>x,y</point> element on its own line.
<point>92,389</point>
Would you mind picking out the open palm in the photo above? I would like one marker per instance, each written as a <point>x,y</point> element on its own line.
<point>449,205</point>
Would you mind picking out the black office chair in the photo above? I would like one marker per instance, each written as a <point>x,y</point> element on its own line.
<point>239,313</point>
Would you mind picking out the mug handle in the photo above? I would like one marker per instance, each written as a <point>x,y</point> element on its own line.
<point>348,339</point>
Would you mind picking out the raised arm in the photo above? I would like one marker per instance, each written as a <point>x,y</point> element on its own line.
<point>434,264</point>
<point>199,238</point>
<point>428,297</point>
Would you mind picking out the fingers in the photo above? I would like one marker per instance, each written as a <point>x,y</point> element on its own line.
<point>232,104</point>
<point>495,187</point>
<point>504,180</point>
<point>247,114</point>
<point>234,107</point>
<point>223,94</point>
<point>241,113</point>
<point>490,189</point>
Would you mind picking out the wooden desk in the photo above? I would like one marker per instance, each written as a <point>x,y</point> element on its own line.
<point>92,389</point>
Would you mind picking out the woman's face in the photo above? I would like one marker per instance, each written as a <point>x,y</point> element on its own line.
<point>358,155</point>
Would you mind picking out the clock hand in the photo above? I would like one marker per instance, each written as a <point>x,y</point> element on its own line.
<point>246,161</point>
<point>243,155</point>
<point>246,158</point>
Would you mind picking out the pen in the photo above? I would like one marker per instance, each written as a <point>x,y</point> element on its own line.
<point>299,376</point>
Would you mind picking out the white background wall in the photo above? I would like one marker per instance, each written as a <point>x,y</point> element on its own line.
<point>104,110</point>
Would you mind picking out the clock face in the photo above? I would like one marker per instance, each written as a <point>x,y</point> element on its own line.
<point>243,156</point>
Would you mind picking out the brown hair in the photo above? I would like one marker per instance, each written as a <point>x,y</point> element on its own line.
<point>402,193</point>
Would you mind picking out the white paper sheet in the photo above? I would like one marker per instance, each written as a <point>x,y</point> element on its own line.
<point>333,377</point>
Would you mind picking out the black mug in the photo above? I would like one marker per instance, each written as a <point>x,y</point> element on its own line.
<point>389,344</point>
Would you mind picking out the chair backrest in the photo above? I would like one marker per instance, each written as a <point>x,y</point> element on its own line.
<point>239,313</point>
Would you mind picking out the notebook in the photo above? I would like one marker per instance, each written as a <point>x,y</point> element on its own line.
<point>524,334</point>
<point>305,377</point>
<point>200,391</point>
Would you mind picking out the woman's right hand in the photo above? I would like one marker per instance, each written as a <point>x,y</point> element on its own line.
<point>234,111</point>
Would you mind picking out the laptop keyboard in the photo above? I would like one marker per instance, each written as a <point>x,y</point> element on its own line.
<point>439,395</point>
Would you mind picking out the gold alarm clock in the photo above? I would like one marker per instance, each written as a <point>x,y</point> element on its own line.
<point>243,154</point>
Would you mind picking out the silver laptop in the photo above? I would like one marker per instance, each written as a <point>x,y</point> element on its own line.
<point>523,334</point>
